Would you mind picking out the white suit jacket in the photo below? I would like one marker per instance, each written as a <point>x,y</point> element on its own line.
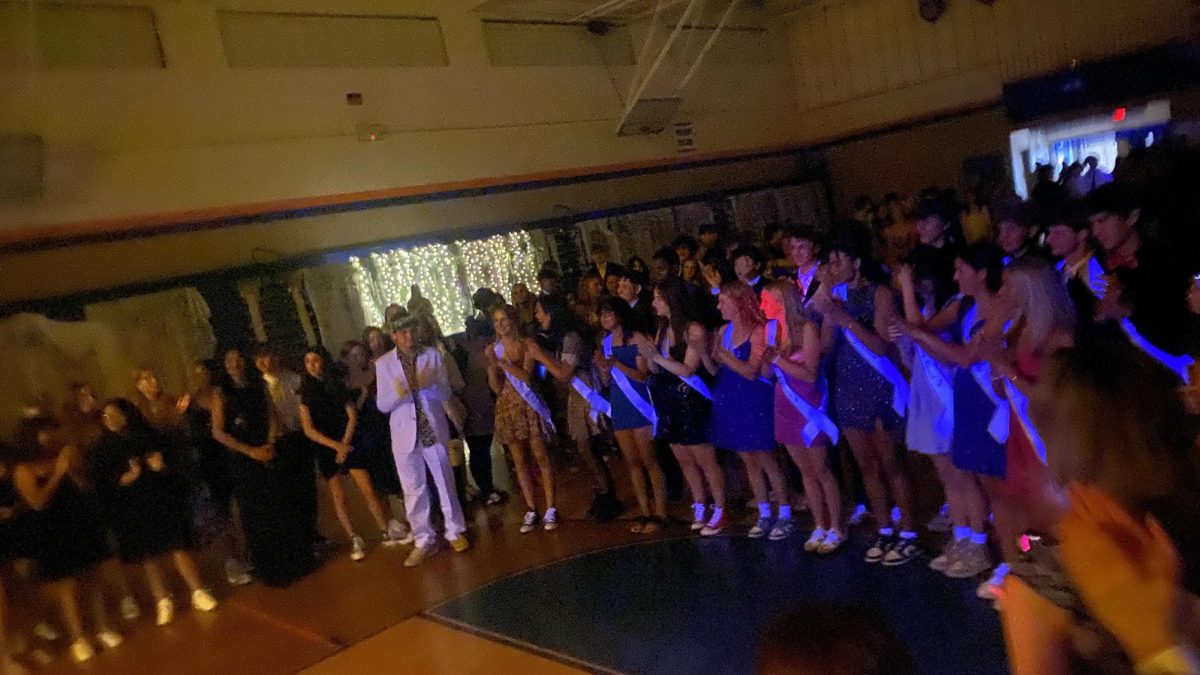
<point>402,414</point>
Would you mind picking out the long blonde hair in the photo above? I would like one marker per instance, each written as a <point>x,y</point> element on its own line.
<point>1042,304</point>
<point>795,316</point>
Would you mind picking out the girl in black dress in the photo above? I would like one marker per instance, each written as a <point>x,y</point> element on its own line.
<point>145,501</point>
<point>213,470</point>
<point>68,540</point>
<point>13,546</point>
<point>329,418</point>
<point>245,422</point>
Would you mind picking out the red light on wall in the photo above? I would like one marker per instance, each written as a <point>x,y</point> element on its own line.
<point>1119,114</point>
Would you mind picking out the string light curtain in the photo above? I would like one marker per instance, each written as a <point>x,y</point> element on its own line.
<point>446,275</point>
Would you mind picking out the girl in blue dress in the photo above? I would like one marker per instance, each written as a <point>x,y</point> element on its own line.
<point>974,452</point>
<point>869,394</point>
<point>743,418</point>
<point>633,416</point>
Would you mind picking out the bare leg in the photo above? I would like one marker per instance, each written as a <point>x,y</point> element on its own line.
<point>658,483</point>
<point>337,495</point>
<point>187,569</point>
<point>154,579</point>
<point>974,501</point>
<point>1008,525</point>
<point>545,466</point>
<point>93,590</point>
<point>706,457</point>
<point>767,462</point>
<point>823,495</point>
<point>363,480</point>
<point>691,471</point>
<point>896,476</point>
<point>66,592</point>
<point>953,485</point>
<point>633,462</point>
<point>758,484</point>
<point>517,450</point>
<point>862,444</point>
<point>598,471</point>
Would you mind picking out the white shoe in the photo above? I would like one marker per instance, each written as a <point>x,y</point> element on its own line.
<point>395,533</point>
<point>111,639</point>
<point>493,499</point>
<point>814,540</point>
<point>203,601</point>
<point>236,574</point>
<point>550,520</point>
<point>530,522</point>
<point>715,525</point>
<point>860,514</point>
<point>129,608</point>
<point>418,556</point>
<point>82,651</point>
<point>760,529</point>
<point>358,549</point>
<point>698,520</point>
<point>987,590</point>
<point>949,555</point>
<point>164,611</point>
<point>44,631</point>
<point>973,562</point>
<point>832,542</point>
<point>784,527</point>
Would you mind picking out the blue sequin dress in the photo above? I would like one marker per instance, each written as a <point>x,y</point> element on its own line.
<point>743,411</point>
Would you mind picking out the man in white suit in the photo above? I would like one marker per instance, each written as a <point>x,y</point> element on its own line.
<point>412,387</point>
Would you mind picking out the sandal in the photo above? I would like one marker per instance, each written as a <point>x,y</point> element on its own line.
<point>653,525</point>
<point>639,525</point>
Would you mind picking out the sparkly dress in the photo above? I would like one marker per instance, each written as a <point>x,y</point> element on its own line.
<point>860,394</point>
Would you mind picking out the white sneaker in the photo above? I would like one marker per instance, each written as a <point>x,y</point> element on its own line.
<point>164,611</point>
<point>530,522</point>
<point>129,608</point>
<point>860,514</point>
<point>236,574</point>
<point>203,601</point>
<point>493,499</point>
<point>111,639</point>
<point>832,542</point>
<point>973,562</point>
<point>760,528</point>
<point>418,556</point>
<point>82,651</point>
<point>550,520</point>
<point>698,521</point>
<point>394,534</point>
<point>715,525</point>
<point>949,555</point>
<point>814,540</point>
<point>44,631</point>
<point>784,527</point>
<point>358,549</point>
<point>987,590</point>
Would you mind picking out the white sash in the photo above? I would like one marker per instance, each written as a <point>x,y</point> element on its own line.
<point>816,419</point>
<point>942,388</point>
<point>597,404</point>
<point>998,426</point>
<point>881,364</point>
<point>527,394</point>
<point>643,405</point>
<point>1180,365</point>
<point>1020,407</point>
<point>694,381</point>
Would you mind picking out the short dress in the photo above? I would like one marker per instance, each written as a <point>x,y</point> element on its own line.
<point>743,417</point>
<point>150,516</point>
<point>625,415</point>
<point>580,426</point>
<point>1025,473</point>
<point>516,420</point>
<point>972,447</point>
<point>326,402</point>
<point>860,395</point>
<point>373,439</point>
<point>213,461</point>
<point>790,422</point>
<point>683,413</point>
<point>68,535</point>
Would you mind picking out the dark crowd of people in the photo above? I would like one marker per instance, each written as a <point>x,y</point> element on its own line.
<point>1039,355</point>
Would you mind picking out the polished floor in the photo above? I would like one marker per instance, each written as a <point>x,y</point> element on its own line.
<point>587,598</point>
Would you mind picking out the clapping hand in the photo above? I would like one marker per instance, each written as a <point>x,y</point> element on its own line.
<point>154,462</point>
<point>132,474</point>
<point>182,404</point>
<point>1126,569</point>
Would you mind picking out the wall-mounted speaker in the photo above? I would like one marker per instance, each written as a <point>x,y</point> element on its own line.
<point>21,165</point>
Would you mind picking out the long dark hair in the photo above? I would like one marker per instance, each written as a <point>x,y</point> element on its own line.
<point>136,426</point>
<point>678,319</point>
<point>620,309</point>
<point>562,322</point>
